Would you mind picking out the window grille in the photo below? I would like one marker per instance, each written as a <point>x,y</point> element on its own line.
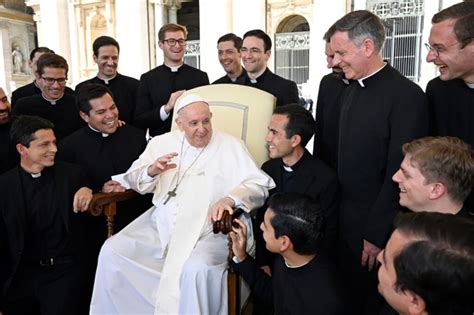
<point>403,21</point>
<point>192,55</point>
<point>292,56</point>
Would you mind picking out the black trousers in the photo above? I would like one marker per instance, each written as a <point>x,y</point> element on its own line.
<point>48,290</point>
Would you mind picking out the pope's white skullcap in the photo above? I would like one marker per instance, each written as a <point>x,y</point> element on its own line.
<point>188,100</point>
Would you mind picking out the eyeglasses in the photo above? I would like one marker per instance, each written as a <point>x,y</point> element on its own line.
<point>173,41</point>
<point>51,81</point>
<point>252,50</point>
<point>4,99</point>
<point>438,50</point>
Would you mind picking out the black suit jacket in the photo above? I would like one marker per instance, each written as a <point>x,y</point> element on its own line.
<point>154,91</point>
<point>315,179</point>
<point>284,90</point>
<point>68,179</point>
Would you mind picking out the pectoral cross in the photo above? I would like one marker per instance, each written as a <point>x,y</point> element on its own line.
<point>171,194</point>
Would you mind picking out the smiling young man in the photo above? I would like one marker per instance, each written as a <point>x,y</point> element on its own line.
<point>103,149</point>
<point>106,52</point>
<point>41,238</point>
<point>427,267</point>
<point>376,114</point>
<point>228,51</point>
<point>256,51</point>
<point>451,94</point>
<point>53,103</point>
<point>436,175</point>
<point>294,169</point>
<point>34,87</point>
<point>159,88</point>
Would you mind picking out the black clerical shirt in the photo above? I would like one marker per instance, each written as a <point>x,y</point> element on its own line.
<point>45,234</point>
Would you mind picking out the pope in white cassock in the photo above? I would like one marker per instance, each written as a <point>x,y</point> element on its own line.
<point>168,261</point>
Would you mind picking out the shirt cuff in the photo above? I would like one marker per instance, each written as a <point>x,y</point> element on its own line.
<point>144,177</point>
<point>163,114</point>
<point>237,202</point>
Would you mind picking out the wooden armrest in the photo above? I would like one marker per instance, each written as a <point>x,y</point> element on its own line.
<point>99,200</point>
<point>224,225</point>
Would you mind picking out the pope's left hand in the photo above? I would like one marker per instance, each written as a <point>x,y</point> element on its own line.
<point>219,207</point>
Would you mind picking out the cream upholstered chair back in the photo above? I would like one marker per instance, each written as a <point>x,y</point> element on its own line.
<point>241,111</point>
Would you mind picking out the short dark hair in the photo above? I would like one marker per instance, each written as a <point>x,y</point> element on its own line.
<point>463,13</point>
<point>23,128</point>
<point>104,41</point>
<point>300,122</point>
<point>171,27</point>
<point>327,36</point>
<point>267,42</point>
<point>360,25</point>
<point>40,49</point>
<point>231,37</point>
<point>50,60</point>
<point>299,217</point>
<point>438,264</point>
<point>88,92</point>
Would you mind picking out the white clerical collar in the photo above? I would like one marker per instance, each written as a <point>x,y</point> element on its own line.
<point>297,266</point>
<point>287,168</point>
<point>174,68</point>
<point>233,79</point>
<point>35,175</point>
<point>470,85</point>
<point>107,80</point>
<point>52,102</point>
<point>104,135</point>
<point>361,81</point>
<point>255,79</point>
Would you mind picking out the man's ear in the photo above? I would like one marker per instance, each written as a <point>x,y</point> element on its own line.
<point>369,47</point>
<point>285,243</point>
<point>295,141</point>
<point>20,148</point>
<point>417,305</point>
<point>179,123</point>
<point>95,58</point>
<point>437,190</point>
<point>84,116</point>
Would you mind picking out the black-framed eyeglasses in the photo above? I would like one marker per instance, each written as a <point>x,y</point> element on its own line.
<point>438,50</point>
<point>52,80</point>
<point>173,41</point>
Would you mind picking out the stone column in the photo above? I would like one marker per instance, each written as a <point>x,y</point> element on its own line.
<point>5,57</point>
<point>160,18</point>
<point>215,20</point>
<point>132,34</point>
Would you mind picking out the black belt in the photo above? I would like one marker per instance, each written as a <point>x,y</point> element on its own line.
<point>56,261</point>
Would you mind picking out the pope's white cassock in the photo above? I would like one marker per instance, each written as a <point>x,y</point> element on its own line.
<point>168,260</point>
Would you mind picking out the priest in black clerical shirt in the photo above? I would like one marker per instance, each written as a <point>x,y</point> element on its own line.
<point>256,50</point>
<point>294,169</point>
<point>159,88</point>
<point>228,51</point>
<point>53,103</point>
<point>103,149</point>
<point>41,236</point>
<point>34,88</point>
<point>106,56</point>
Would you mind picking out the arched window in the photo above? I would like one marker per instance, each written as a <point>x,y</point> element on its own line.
<point>292,49</point>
